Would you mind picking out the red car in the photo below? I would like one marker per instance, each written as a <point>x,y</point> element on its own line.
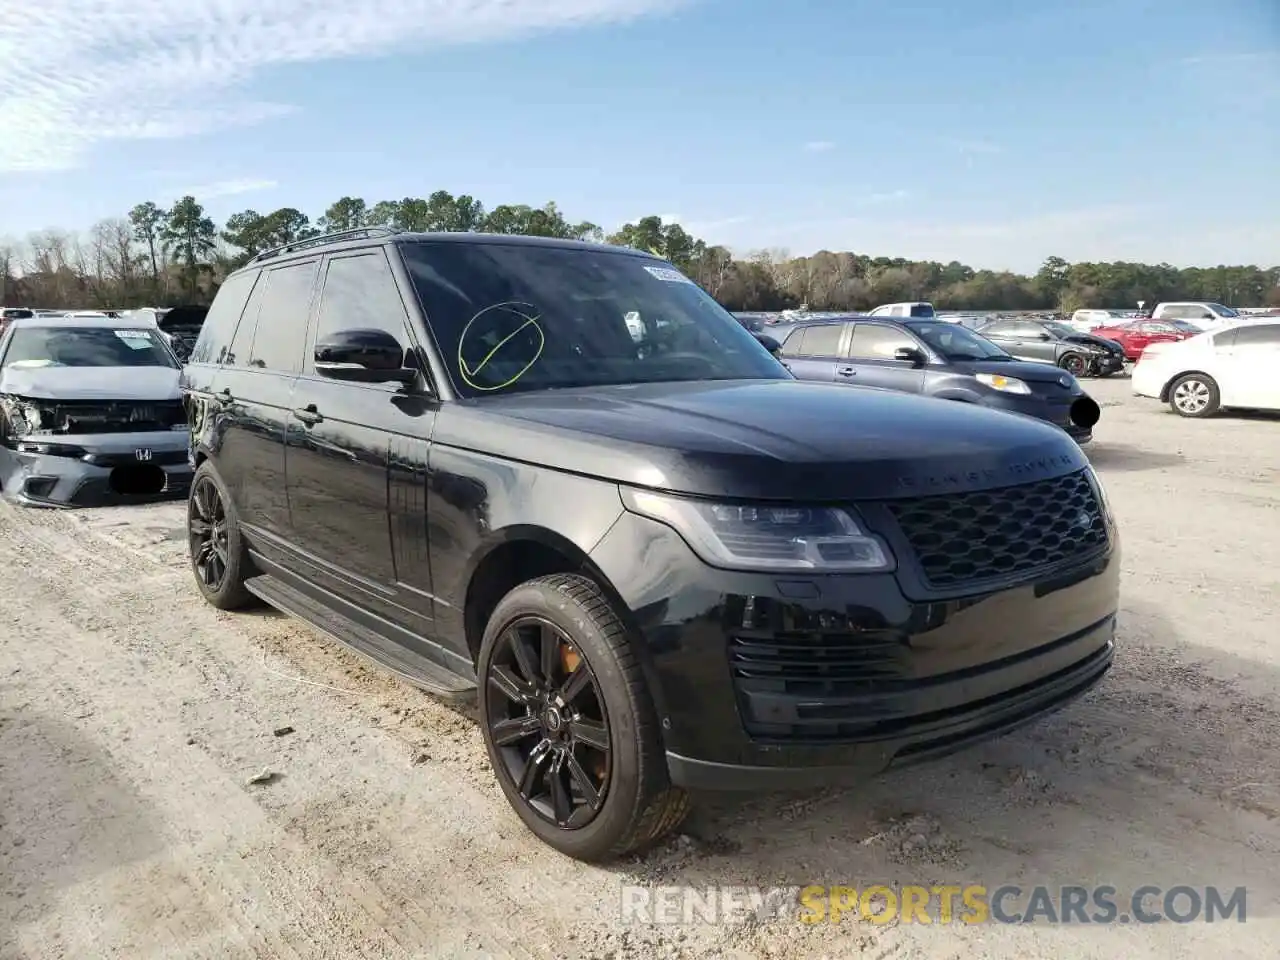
<point>1136,335</point>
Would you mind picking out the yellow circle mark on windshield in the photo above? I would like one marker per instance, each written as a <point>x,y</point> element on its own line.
<point>525,312</point>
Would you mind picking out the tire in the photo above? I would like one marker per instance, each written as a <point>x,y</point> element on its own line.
<point>226,592</point>
<point>1195,395</point>
<point>1074,363</point>
<point>570,616</point>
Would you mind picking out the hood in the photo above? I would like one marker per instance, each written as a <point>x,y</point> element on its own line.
<point>91,383</point>
<point>1027,370</point>
<point>1088,339</point>
<point>183,317</point>
<point>765,439</point>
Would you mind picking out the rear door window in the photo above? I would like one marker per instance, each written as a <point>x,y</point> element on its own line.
<point>822,340</point>
<point>220,323</point>
<point>280,339</point>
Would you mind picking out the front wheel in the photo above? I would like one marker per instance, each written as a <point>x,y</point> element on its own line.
<point>1195,395</point>
<point>569,725</point>
<point>1074,363</point>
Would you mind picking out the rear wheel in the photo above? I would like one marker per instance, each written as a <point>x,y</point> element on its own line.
<point>1195,395</point>
<point>569,725</point>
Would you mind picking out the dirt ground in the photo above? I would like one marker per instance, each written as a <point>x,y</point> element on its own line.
<point>132,718</point>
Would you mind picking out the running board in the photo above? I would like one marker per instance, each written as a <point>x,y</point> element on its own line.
<point>382,651</point>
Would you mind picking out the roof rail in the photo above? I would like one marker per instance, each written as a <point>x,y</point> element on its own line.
<point>359,233</point>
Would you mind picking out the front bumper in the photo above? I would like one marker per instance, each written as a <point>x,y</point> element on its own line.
<point>1109,363</point>
<point>1077,414</point>
<point>96,469</point>
<point>782,682</point>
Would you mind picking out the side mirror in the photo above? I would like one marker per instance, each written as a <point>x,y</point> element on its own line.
<point>363,356</point>
<point>912,355</point>
<point>769,343</point>
<point>1043,336</point>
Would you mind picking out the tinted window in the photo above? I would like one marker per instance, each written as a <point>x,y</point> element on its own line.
<point>876,341</point>
<point>360,293</point>
<point>999,329</point>
<point>822,340</point>
<point>96,346</point>
<point>921,310</point>
<point>1265,334</point>
<point>17,313</point>
<point>222,319</point>
<point>523,316</point>
<point>279,341</point>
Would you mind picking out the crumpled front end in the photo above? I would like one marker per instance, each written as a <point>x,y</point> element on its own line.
<point>75,454</point>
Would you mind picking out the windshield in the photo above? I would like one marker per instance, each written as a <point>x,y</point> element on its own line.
<point>956,342</point>
<point>67,346</point>
<point>520,316</point>
<point>1222,311</point>
<point>1184,326</point>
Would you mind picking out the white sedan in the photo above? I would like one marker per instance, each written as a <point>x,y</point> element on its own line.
<point>1237,365</point>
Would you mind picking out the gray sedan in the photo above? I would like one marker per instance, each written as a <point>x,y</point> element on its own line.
<point>90,413</point>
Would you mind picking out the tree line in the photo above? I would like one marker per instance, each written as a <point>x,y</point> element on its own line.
<point>159,255</point>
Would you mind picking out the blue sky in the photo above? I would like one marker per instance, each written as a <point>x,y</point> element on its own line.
<point>996,132</point>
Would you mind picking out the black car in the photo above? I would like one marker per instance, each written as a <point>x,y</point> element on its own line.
<point>1080,354</point>
<point>938,359</point>
<point>560,478</point>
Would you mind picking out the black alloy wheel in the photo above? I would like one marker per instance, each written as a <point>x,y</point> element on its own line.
<point>550,725</point>
<point>207,534</point>
<point>219,557</point>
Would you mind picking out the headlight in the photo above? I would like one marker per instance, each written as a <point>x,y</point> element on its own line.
<point>1004,384</point>
<point>24,418</point>
<point>1103,499</point>
<point>765,536</point>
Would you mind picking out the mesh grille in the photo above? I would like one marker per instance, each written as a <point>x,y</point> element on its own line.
<point>968,538</point>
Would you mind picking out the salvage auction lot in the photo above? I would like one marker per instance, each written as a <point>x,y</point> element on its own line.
<point>133,717</point>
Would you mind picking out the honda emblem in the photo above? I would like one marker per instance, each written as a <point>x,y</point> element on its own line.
<point>142,454</point>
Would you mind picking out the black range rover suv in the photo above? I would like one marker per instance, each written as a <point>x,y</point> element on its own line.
<point>559,477</point>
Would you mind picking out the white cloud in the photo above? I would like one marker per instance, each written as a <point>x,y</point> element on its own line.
<point>228,188</point>
<point>74,73</point>
<point>819,146</point>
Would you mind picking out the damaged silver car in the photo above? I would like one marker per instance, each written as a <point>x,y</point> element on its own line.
<point>90,414</point>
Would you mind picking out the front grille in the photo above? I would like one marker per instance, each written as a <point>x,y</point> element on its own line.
<point>113,416</point>
<point>968,538</point>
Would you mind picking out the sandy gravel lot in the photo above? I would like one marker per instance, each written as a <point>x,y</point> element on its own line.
<point>132,718</point>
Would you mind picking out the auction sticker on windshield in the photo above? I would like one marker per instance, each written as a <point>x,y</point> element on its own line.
<point>671,276</point>
<point>135,338</point>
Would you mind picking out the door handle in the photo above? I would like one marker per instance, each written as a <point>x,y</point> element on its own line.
<point>308,414</point>
<point>846,371</point>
